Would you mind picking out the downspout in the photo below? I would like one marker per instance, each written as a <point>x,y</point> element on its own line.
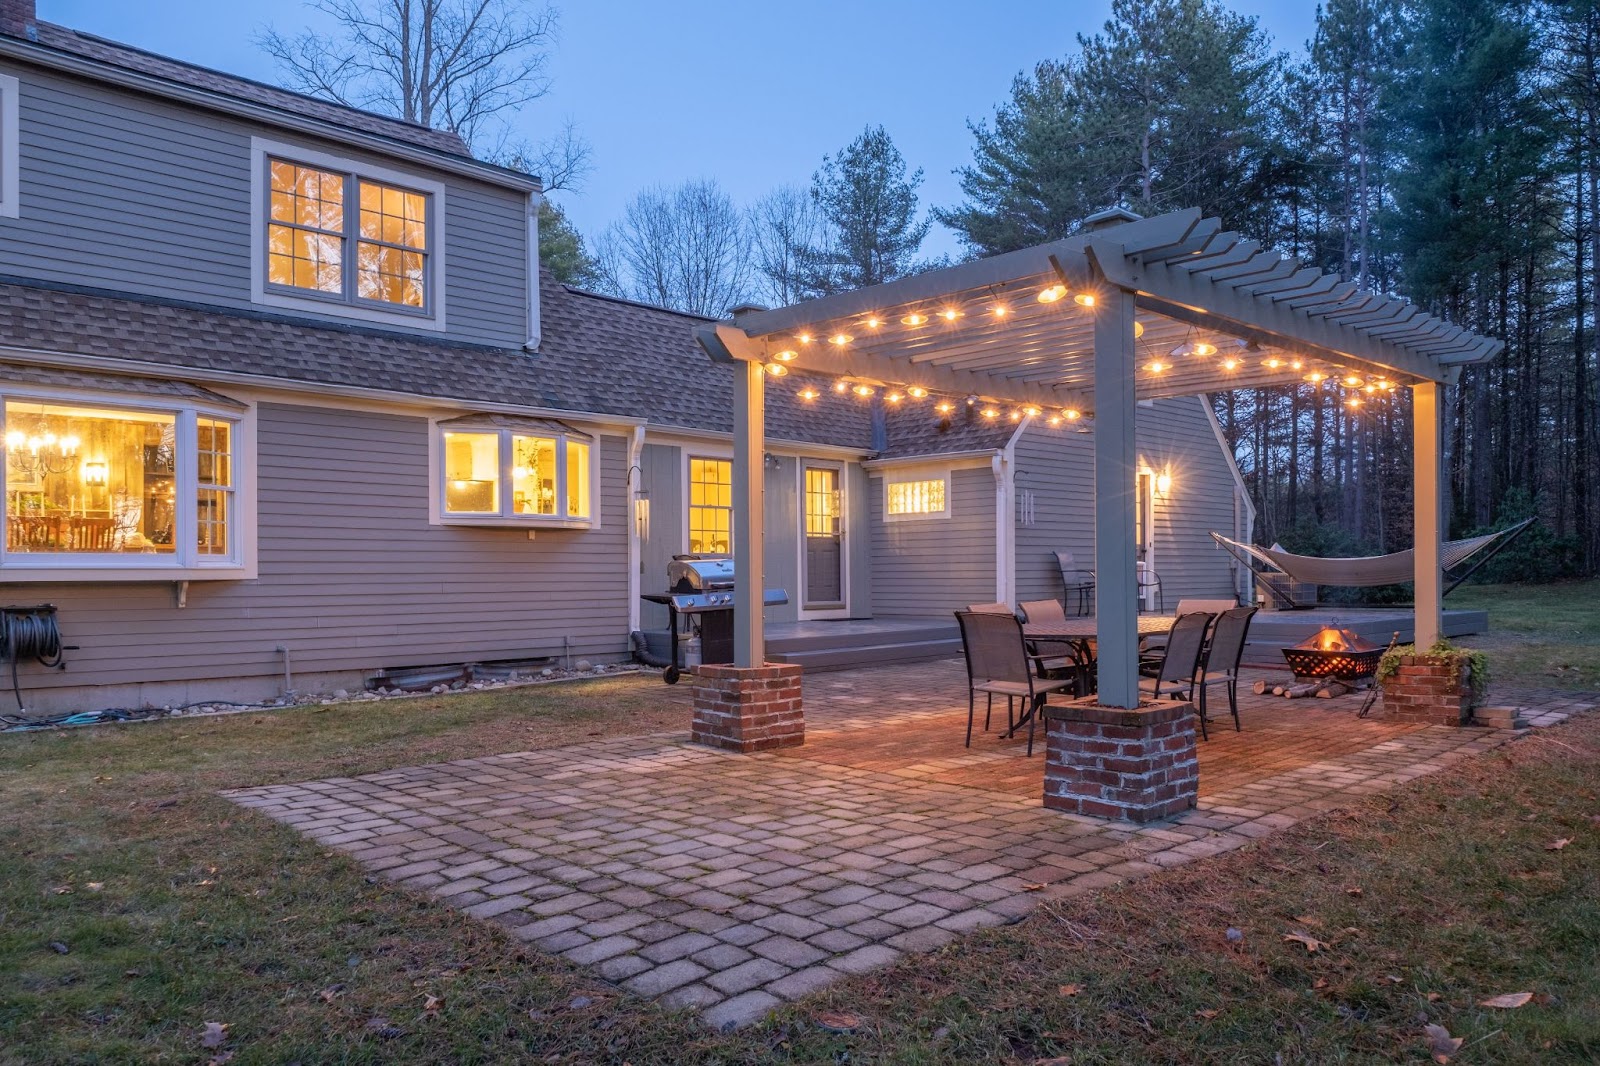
<point>635,534</point>
<point>535,335</point>
<point>1004,466</point>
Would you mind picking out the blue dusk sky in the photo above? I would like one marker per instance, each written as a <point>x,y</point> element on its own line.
<point>751,94</point>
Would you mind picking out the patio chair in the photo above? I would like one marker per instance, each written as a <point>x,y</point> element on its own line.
<point>1220,664</point>
<point>1147,579</point>
<point>999,664</point>
<point>1151,647</point>
<point>1076,582</point>
<point>1066,657</point>
<point>990,608</point>
<point>1177,671</point>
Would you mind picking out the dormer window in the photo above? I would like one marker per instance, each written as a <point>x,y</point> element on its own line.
<point>345,238</point>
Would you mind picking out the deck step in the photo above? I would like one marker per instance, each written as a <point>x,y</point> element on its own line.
<point>837,658</point>
<point>894,633</point>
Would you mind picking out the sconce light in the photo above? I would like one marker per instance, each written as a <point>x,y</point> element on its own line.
<point>1163,483</point>
<point>95,472</point>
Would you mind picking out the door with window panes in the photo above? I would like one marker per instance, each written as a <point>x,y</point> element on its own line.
<point>824,539</point>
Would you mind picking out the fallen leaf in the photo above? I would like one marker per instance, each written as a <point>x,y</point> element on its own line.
<point>331,993</point>
<point>838,1021</point>
<point>95,886</point>
<point>1071,990</point>
<point>131,973</point>
<point>432,1003</point>
<point>1353,890</point>
<point>1307,921</point>
<point>1029,886</point>
<point>213,1034</point>
<point>1441,1045</point>
<point>1434,997</point>
<point>1508,1000</point>
<point>1207,1014</point>
<point>1319,984</point>
<point>1391,978</point>
<point>1557,845</point>
<point>1312,944</point>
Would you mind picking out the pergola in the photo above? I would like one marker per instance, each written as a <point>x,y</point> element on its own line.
<point>1086,327</point>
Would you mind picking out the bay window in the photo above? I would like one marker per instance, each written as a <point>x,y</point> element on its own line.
<point>98,485</point>
<point>515,471</point>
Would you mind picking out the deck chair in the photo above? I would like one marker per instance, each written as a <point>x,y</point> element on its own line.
<point>1220,663</point>
<point>1062,657</point>
<point>1076,582</point>
<point>999,664</point>
<point>1177,672</point>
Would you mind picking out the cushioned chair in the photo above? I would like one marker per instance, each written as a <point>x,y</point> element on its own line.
<point>999,664</point>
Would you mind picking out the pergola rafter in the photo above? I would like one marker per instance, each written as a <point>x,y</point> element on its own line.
<point>1131,309</point>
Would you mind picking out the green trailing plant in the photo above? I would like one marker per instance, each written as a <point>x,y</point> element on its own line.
<point>1477,664</point>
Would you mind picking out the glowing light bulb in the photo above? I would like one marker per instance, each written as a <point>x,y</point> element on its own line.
<point>1272,362</point>
<point>1352,380</point>
<point>863,390</point>
<point>913,319</point>
<point>1031,411</point>
<point>1204,348</point>
<point>1072,414</point>
<point>990,412</point>
<point>949,314</point>
<point>1370,389</point>
<point>894,397</point>
<point>839,340</point>
<point>48,438</point>
<point>1354,402</point>
<point>841,386</point>
<point>874,322</point>
<point>788,355</point>
<point>1054,420</point>
<point>1052,294</point>
<point>1138,330</point>
<point>1298,364</point>
<point>1155,366</point>
<point>1316,377</point>
<point>15,438</point>
<point>1084,299</point>
<point>808,394</point>
<point>944,407</point>
<point>777,370</point>
<point>917,392</point>
<point>1016,416</point>
<point>1000,311</point>
<point>1230,364</point>
<point>804,338</point>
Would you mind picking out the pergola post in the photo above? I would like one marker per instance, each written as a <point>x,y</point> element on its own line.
<point>749,475</point>
<point>1427,457</point>
<point>1115,483</point>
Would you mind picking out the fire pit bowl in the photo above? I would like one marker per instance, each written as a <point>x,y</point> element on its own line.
<point>1333,652</point>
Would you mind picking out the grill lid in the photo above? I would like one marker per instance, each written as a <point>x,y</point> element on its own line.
<point>697,573</point>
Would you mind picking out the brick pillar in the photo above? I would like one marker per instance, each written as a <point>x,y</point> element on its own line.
<point>748,709</point>
<point>1114,763</point>
<point>1428,691</point>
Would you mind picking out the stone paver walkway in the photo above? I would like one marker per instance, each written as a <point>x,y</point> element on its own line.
<point>732,883</point>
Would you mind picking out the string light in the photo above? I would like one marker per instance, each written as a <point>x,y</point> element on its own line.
<point>950,314</point>
<point>1031,411</point>
<point>1138,329</point>
<point>808,394</point>
<point>913,319</point>
<point>1354,402</point>
<point>804,338</point>
<point>1084,299</point>
<point>839,340</point>
<point>1155,366</point>
<point>1072,414</point>
<point>990,412</point>
<point>917,392</point>
<point>894,397</point>
<point>777,370</point>
<point>1000,311</point>
<point>1054,420</point>
<point>1230,364</point>
<point>1016,416</point>
<point>863,390</point>
<point>841,386</point>
<point>1316,377</point>
<point>1298,364</point>
<point>788,355</point>
<point>1200,348</point>
<point>874,322</point>
<point>1052,294</point>
<point>1352,381</point>
<point>1272,362</point>
<point>944,407</point>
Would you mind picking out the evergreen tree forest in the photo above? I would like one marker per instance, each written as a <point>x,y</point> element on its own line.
<point>1448,150</point>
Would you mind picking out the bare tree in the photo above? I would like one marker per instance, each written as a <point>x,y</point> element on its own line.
<point>784,225</point>
<point>448,64</point>
<point>685,248</point>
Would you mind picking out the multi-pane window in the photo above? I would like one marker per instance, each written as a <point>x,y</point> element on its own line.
<point>502,473</point>
<point>90,480</point>
<point>710,505</point>
<point>926,497</point>
<point>315,214</point>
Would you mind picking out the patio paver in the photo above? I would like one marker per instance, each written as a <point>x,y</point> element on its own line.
<point>730,883</point>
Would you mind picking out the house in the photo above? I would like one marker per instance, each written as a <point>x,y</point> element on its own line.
<point>287,401</point>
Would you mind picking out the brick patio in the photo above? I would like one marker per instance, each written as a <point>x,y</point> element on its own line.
<point>732,883</point>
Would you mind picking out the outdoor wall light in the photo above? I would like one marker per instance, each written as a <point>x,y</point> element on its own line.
<point>1163,483</point>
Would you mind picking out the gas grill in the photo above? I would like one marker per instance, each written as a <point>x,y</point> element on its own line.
<point>699,602</point>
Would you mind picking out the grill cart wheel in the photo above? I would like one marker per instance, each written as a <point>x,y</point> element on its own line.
<point>670,675</point>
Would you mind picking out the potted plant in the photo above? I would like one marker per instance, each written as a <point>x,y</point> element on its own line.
<point>1438,686</point>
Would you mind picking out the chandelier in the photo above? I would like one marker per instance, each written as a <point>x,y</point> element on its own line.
<point>33,454</point>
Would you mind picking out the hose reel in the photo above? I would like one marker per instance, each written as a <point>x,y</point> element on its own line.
<point>30,633</point>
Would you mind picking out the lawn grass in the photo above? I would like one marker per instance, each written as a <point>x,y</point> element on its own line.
<point>177,909</point>
<point>1545,636</point>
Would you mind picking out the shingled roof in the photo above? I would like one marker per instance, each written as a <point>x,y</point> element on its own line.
<point>136,60</point>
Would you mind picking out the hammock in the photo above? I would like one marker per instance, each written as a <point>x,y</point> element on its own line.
<point>1365,571</point>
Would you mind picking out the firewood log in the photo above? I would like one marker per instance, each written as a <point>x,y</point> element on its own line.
<point>1332,689</point>
<point>1300,692</point>
<point>1260,688</point>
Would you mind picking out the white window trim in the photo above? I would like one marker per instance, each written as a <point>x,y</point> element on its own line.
<point>901,477</point>
<point>10,146</point>
<point>431,318</point>
<point>723,455</point>
<point>805,613</point>
<point>505,517</point>
<point>185,563</point>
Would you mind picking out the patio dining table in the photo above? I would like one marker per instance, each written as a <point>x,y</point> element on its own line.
<point>1079,631</point>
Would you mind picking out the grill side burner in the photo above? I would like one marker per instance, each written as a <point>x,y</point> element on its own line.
<point>699,600</point>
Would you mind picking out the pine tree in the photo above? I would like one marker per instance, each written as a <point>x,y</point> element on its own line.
<point>869,203</point>
<point>561,248</point>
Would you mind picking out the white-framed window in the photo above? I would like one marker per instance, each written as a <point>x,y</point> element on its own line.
<point>345,237</point>
<point>512,472</point>
<point>97,486</point>
<point>710,505</point>
<point>908,498</point>
<point>10,148</point>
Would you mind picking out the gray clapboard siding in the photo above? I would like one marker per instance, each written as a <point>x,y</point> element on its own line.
<point>126,192</point>
<point>932,567</point>
<point>352,576</point>
<point>1058,467</point>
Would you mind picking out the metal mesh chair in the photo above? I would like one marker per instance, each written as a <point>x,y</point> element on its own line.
<point>999,664</point>
<point>1176,673</point>
<point>1221,660</point>
<point>1065,657</point>
<point>1076,582</point>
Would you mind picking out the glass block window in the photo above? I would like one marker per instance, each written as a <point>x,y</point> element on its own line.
<point>927,497</point>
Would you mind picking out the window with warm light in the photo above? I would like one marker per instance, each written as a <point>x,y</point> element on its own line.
<point>354,239</point>
<point>92,484</point>
<point>710,505</point>
<point>920,498</point>
<point>501,473</point>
